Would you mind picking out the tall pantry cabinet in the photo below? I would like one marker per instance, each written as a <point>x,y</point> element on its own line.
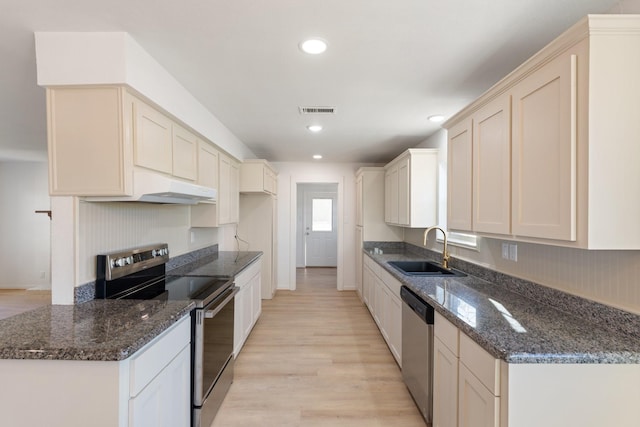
<point>257,226</point>
<point>370,208</point>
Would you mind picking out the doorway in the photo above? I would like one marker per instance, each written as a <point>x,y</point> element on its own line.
<point>317,225</point>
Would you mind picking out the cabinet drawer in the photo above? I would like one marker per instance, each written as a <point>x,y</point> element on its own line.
<point>482,364</point>
<point>247,274</point>
<point>149,361</point>
<point>392,283</point>
<point>447,333</point>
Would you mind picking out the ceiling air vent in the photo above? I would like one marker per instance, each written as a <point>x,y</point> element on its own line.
<point>317,110</point>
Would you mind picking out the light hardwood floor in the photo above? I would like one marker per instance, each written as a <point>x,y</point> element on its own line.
<point>316,358</point>
<point>16,301</point>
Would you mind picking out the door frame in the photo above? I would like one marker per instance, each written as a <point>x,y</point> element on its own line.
<point>295,180</point>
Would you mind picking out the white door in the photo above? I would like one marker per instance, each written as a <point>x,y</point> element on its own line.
<point>320,229</point>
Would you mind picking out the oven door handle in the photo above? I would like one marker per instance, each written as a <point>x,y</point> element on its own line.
<point>209,314</point>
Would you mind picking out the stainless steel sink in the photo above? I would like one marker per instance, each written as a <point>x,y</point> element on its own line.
<point>424,268</point>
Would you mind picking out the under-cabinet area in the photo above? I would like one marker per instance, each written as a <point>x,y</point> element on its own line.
<point>499,356</point>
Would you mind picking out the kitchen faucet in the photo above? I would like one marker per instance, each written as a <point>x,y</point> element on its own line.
<point>445,254</point>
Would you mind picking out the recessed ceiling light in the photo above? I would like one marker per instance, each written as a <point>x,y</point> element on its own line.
<point>313,46</point>
<point>314,128</point>
<point>436,118</point>
<point>317,156</point>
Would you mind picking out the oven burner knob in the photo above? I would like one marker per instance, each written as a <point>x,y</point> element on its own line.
<point>129,260</point>
<point>121,262</point>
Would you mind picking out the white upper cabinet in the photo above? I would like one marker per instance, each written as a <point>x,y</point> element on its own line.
<point>555,144</point>
<point>153,147</point>
<point>492,167</point>
<point>459,180</point>
<point>207,165</point>
<point>98,137</point>
<point>258,176</point>
<point>411,189</point>
<point>185,153</point>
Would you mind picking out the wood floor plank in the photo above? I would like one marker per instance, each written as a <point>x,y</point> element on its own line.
<point>316,358</point>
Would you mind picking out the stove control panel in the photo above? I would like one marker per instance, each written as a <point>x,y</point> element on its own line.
<point>118,264</point>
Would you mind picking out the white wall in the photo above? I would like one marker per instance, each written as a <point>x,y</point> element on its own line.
<point>289,175</point>
<point>24,235</point>
<point>609,277</point>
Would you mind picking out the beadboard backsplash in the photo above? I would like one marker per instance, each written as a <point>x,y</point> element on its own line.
<point>608,277</point>
<point>109,227</point>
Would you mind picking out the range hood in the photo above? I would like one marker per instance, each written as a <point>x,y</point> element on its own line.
<point>150,187</point>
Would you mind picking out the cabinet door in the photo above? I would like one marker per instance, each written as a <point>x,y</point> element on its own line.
<point>445,386</point>
<point>239,316</point>
<point>256,298</point>
<point>478,407</point>
<point>459,183</point>
<point>207,165</point>
<point>234,192</point>
<point>492,167</point>
<point>393,320</point>
<point>185,154</point>
<point>153,139</point>
<point>165,402</point>
<point>89,140</point>
<point>378,304</point>
<point>359,258</point>
<point>544,152</point>
<point>228,192</point>
<point>391,195</point>
<point>367,286</point>
<point>404,190</point>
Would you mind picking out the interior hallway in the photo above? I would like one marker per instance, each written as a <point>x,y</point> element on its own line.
<point>316,358</point>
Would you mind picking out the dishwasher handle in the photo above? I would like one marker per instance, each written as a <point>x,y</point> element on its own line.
<point>424,311</point>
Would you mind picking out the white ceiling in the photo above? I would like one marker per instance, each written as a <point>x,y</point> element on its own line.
<point>390,64</point>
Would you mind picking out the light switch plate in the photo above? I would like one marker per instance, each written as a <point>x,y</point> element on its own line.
<point>513,252</point>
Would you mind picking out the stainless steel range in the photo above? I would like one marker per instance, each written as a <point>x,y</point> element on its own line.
<point>140,273</point>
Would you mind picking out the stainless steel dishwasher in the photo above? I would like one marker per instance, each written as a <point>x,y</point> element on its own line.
<point>417,350</point>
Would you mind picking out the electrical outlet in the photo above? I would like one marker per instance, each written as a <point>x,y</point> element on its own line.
<point>513,252</point>
<point>505,250</point>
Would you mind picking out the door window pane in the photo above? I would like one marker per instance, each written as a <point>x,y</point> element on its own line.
<point>321,215</point>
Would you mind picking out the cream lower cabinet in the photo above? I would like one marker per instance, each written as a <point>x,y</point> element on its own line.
<point>247,304</point>
<point>382,296</point>
<point>471,388</point>
<point>150,388</point>
<point>569,138</point>
<point>466,381</point>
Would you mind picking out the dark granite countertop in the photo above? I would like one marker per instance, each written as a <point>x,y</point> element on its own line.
<point>108,330</point>
<point>511,326</point>
<point>223,264</point>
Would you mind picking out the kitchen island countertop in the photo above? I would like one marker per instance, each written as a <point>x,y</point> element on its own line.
<point>107,330</point>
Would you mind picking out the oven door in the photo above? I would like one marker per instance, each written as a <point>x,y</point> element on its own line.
<point>213,355</point>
